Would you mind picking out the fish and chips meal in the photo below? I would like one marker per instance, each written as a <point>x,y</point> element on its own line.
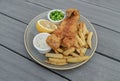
<point>69,41</point>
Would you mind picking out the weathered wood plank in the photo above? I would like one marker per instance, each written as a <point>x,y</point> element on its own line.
<point>95,14</point>
<point>16,68</point>
<point>12,32</point>
<point>99,68</point>
<point>20,9</point>
<point>100,47</point>
<point>108,42</point>
<point>102,68</point>
<point>109,4</point>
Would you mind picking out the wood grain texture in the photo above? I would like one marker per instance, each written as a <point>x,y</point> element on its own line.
<point>95,14</point>
<point>79,74</point>
<point>99,68</point>
<point>109,4</point>
<point>12,32</point>
<point>20,9</point>
<point>16,68</point>
<point>11,35</point>
<point>108,42</point>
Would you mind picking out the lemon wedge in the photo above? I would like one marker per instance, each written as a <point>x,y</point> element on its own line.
<point>43,25</point>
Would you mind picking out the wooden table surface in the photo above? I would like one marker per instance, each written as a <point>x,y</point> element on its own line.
<point>17,65</point>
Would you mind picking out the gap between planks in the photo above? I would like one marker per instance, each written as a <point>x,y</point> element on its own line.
<point>51,70</point>
<point>47,68</point>
<point>99,6</point>
<point>49,8</point>
<point>35,62</point>
<point>82,1</point>
<point>77,0</point>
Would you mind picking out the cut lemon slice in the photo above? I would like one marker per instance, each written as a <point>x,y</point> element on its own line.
<point>43,25</point>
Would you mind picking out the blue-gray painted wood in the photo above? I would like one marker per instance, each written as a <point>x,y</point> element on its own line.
<point>12,32</point>
<point>95,14</point>
<point>99,68</point>
<point>11,35</point>
<point>14,40</point>
<point>11,39</point>
<point>20,9</point>
<point>109,4</point>
<point>108,42</point>
<point>16,68</point>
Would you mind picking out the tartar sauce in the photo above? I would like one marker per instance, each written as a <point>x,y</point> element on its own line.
<point>40,44</point>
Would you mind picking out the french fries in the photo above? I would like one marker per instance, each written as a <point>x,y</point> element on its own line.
<point>84,50</point>
<point>60,50</point>
<point>76,44</point>
<point>81,51</point>
<point>82,37</point>
<point>80,41</point>
<point>68,51</point>
<point>76,53</point>
<point>55,63</point>
<point>89,39</point>
<point>57,60</point>
<point>84,28</point>
<point>65,57</point>
<point>53,55</point>
<point>77,59</point>
<point>56,51</point>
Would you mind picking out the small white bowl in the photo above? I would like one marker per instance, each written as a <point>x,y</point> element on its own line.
<point>53,21</point>
<point>39,42</point>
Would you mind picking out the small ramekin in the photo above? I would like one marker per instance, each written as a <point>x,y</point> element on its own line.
<point>55,22</point>
<point>41,36</point>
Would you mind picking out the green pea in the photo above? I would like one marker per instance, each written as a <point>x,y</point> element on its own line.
<point>56,15</point>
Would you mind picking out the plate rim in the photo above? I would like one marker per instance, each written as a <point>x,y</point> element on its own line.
<point>93,52</point>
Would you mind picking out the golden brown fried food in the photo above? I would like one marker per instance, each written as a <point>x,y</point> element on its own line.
<point>53,41</point>
<point>69,41</point>
<point>66,32</point>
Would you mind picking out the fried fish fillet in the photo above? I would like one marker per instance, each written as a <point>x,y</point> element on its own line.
<point>66,32</point>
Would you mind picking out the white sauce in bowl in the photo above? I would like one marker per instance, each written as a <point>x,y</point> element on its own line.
<point>40,44</point>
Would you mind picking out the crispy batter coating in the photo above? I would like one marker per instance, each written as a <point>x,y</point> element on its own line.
<point>66,32</point>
